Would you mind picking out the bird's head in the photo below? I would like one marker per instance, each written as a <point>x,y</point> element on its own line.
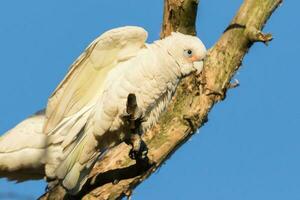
<point>188,51</point>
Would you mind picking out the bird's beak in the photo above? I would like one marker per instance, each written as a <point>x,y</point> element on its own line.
<point>198,65</point>
<point>198,62</point>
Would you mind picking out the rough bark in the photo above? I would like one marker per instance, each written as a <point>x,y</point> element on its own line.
<point>117,175</point>
<point>179,15</point>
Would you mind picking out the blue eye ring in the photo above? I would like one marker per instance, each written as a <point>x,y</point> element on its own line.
<point>188,52</point>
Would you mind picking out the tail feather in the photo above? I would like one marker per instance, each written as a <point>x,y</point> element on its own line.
<point>22,150</point>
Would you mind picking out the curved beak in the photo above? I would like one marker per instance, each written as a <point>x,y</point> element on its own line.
<point>198,61</point>
<point>198,65</point>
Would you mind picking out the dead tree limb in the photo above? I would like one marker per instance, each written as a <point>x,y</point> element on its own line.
<point>117,175</point>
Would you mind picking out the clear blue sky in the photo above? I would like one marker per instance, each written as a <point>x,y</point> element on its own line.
<point>248,150</point>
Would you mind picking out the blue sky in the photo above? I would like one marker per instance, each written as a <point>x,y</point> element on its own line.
<point>248,150</point>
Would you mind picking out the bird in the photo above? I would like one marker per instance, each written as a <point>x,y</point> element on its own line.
<point>86,114</point>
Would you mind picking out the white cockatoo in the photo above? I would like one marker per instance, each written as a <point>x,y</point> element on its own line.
<point>84,115</point>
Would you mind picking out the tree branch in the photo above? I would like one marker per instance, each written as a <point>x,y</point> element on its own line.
<point>117,175</point>
<point>179,15</point>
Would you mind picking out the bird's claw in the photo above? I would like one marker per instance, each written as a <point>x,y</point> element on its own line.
<point>140,152</point>
<point>133,117</point>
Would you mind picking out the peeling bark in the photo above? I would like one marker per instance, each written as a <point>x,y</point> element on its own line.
<point>117,175</point>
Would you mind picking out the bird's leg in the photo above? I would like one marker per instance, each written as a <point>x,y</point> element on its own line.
<point>133,118</point>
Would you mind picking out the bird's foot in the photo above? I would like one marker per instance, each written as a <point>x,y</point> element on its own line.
<point>133,118</point>
<point>139,149</point>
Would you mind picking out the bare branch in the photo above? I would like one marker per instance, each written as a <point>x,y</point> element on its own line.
<point>255,35</point>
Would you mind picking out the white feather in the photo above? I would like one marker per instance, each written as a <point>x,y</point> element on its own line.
<point>83,116</point>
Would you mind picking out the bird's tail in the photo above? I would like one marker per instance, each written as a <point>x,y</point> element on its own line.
<point>22,150</point>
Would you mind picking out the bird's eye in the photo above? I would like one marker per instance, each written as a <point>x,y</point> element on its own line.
<point>188,53</point>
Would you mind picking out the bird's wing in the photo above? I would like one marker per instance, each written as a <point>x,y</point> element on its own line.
<point>71,151</point>
<point>84,81</point>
